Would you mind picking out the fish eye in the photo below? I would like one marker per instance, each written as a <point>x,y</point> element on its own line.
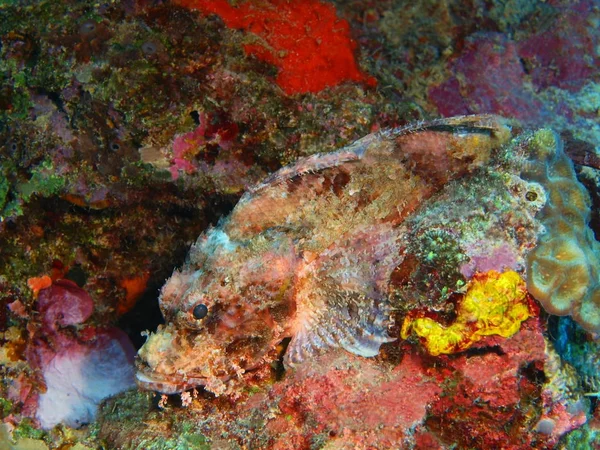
<point>200,311</point>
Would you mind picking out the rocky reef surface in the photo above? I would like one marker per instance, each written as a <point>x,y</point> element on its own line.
<point>129,128</point>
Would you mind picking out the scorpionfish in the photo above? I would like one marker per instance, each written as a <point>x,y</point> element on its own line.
<point>307,255</point>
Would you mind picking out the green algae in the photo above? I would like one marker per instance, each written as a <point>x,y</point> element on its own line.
<point>44,182</point>
<point>6,407</point>
<point>4,188</point>
<point>584,438</point>
<point>27,429</point>
<point>120,419</point>
<point>15,443</point>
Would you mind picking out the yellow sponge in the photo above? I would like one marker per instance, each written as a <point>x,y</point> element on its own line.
<point>495,304</point>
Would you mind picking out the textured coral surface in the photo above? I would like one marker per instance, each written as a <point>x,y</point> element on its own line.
<point>402,399</point>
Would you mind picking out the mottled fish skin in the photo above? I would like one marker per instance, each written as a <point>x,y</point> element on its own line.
<point>308,254</point>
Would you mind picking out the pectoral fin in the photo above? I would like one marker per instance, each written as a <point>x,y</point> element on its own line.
<point>348,320</point>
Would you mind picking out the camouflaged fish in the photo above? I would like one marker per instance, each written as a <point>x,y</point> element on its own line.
<point>307,255</point>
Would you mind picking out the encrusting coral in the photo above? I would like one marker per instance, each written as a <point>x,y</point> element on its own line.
<point>306,40</point>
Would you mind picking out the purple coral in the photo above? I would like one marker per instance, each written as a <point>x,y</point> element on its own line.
<point>564,55</point>
<point>486,256</point>
<point>489,78</point>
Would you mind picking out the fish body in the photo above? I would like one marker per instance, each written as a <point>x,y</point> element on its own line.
<point>308,254</point>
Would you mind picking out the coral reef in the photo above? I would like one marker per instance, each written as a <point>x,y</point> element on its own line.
<point>129,128</point>
<point>401,399</point>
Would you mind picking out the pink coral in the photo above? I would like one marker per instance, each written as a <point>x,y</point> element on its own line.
<point>492,388</point>
<point>187,145</point>
<point>196,145</point>
<point>63,304</point>
<point>351,397</point>
<point>488,255</point>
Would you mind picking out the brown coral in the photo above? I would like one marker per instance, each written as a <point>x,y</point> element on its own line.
<point>563,270</point>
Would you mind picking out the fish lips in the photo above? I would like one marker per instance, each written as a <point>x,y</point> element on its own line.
<point>149,380</point>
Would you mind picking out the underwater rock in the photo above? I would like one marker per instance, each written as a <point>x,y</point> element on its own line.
<point>490,70</point>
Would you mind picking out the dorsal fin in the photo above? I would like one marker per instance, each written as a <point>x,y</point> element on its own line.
<point>427,154</point>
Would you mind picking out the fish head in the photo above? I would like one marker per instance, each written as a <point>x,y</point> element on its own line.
<point>225,310</point>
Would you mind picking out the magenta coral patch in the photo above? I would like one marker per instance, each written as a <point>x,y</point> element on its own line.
<point>81,366</point>
<point>64,303</point>
<point>489,78</point>
<point>201,144</point>
<point>563,56</point>
<point>485,257</point>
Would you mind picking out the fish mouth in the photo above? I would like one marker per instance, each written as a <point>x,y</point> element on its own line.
<point>166,384</point>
